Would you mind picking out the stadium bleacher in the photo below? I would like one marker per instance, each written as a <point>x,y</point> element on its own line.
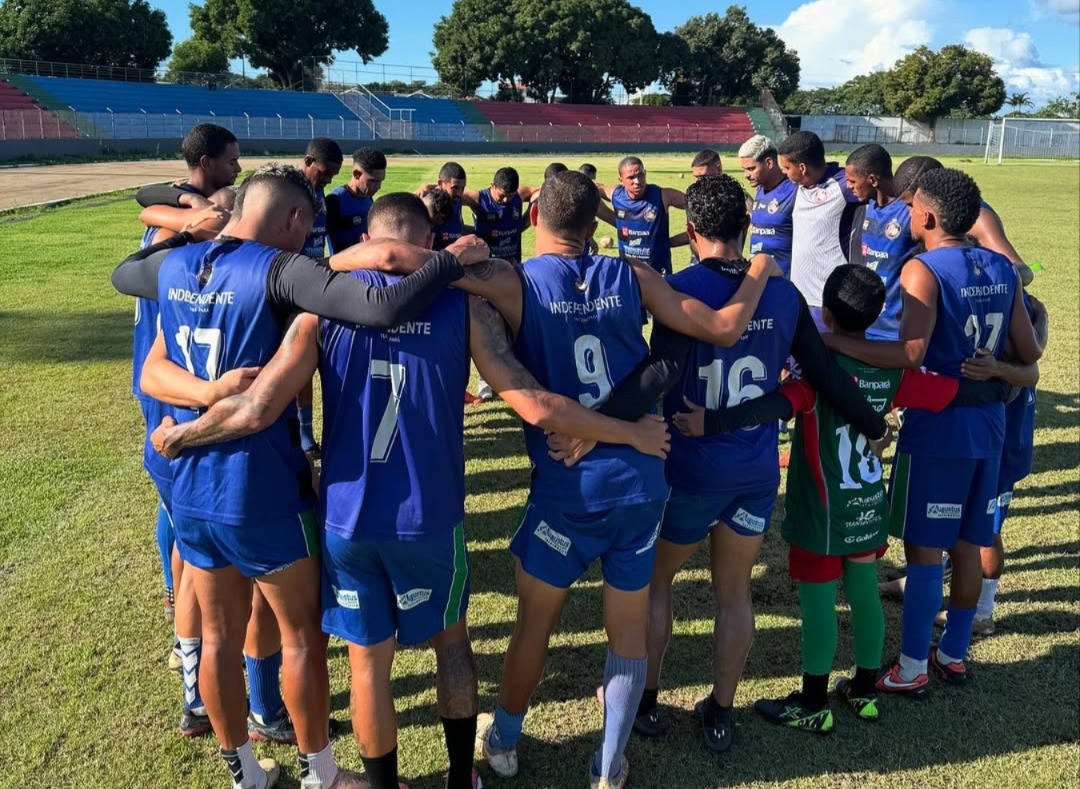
<point>22,117</point>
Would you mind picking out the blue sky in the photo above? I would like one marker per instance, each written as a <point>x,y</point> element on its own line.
<point>1035,43</point>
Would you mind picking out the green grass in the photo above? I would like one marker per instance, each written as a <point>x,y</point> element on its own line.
<point>85,699</point>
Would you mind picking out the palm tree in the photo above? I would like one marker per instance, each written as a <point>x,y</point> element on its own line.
<point>1018,101</point>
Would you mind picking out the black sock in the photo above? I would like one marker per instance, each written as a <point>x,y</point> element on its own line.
<point>715,711</point>
<point>382,771</point>
<point>648,701</point>
<point>815,690</point>
<point>863,683</point>
<point>460,734</point>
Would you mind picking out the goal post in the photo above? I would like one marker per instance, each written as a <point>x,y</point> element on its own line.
<point>1033,138</point>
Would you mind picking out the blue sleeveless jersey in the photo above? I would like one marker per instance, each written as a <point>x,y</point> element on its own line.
<point>1019,432</point>
<point>500,226</point>
<point>976,288</point>
<point>580,336</point>
<point>353,211</point>
<point>447,233</point>
<point>147,323</point>
<point>642,227</point>
<point>315,245</point>
<point>886,242</point>
<point>393,424</point>
<point>744,460</point>
<point>215,324</point>
<point>770,223</point>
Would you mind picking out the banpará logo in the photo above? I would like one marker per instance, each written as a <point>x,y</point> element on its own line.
<point>413,598</point>
<point>551,538</point>
<point>347,598</point>
<point>938,511</point>
<point>748,521</point>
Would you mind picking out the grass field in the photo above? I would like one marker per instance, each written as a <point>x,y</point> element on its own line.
<point>85,698</point>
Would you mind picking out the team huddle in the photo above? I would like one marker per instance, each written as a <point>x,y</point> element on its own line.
<point>871,298</point>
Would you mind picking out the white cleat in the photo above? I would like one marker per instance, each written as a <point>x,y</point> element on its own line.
<point>503,762</point>
<point>615,782</point>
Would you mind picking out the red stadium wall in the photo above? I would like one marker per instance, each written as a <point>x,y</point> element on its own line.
<point>22,118</point>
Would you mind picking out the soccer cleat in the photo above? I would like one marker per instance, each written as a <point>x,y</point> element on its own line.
<point>792,712</point>
<point>176,656</point>
<point>647,724</point>
<point>504,761</point>
<point>280,730</point>
<point>718,728</point>
<point>485,392</point>
<point>476,782</point>
<point>889,681</point>
<point>617,782</point>
<point>273,772</point>
<point>170,608</point>
<point>894,589</point>
<point>195,723</point>
<point>980,627</point>
<point>952,673</point>
<point>471,399</point>
<point>863,705</point>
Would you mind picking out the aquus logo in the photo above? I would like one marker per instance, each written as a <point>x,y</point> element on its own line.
<point>551,538</point>
<point>347,598</point>
<point>652,541</point>
<point>944,511</point>
<point>992,506</point>
<point>748,521</point>
<point>413,598</point>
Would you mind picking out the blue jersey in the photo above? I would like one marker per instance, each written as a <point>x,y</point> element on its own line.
<point>580,336</point>
<point>743,460</point>
<point>315,245</point>
<point>976,288</point>
<point>500,226</point>
<point>215,318</point>
<point>642,227</point>
<point>1019,433</point>
<point>770,223</point>
<point>886,243</point>
<point>349,221</point>
<point>447,233</point>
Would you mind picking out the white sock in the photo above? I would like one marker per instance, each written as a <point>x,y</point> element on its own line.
<point>946,659</point>
<point>318,770</point>
<point>245,769</point>
<point>910,668</point>
<point>985,607</point>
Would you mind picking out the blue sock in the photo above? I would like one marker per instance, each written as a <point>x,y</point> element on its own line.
<point>922,601</point>
<point>507,729</point>
<point>264,678</point>
<point>307,431</point>
<point>624,682</point>
<point>190,653</point>
<point>165,542</point>
<point>957,636</point>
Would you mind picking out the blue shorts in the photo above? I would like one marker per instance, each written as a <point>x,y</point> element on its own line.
<point>373,589</point>
<point>157,466</point>
<point>255,550</point>
<point>1005,498</point>
<point>933,502</point>
<point>558,547</point>
<point>690,516</point>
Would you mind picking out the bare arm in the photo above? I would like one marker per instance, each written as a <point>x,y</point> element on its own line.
<point>605,213</point>
<point>681,240</point>
<point>257,408</point>
<point>170,383</point>
<point>528,193</point>
<point>989,232</point>
<point>471,198</point>
<point>497,282</point>
<point>1025,345</point>
<point>984,367</point>
<point>673,198</point>
<point>607,192</point>
<point>382,254</point>
<point>165,216</point>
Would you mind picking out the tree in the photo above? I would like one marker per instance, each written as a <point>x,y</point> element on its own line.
<point>862,95</point>
<point>730,59</point>
<point>197,56</point>
<point>291,39</point>
<point>818,101</point>
<point>1061,107</point>
<point>121,33</point>
<point>956,81</point>
<point>1018,101</point>
<point>470,46</point>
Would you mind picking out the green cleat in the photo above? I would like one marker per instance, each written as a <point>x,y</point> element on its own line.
<point>864,705</point>
<point>792,712</point>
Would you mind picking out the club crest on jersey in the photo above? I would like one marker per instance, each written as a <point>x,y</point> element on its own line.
<point>774,206</point>
<point>976,269</point>
<point>517,212</point>
<point>819,196</point>
<point>893,230</point>
<point>649,215</point>
<point>581,286</point>
<point>413,598</point>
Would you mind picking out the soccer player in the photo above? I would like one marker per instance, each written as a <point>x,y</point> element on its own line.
<point>706,162</point>
<point>212,156</point>
<point>724,488</point>
<point>242,511</point>
<point>589,171</point>
<point>641,216</point>
<point>347,206</point>
<point>499,213</point>
<point>959,301</point>
<point>395,562</point>
<point>774,200</point>
<point>881,239</point>
<point>452,180</point>
<point>322,163</point>
<point>554,169</point>
<point>822,216</point>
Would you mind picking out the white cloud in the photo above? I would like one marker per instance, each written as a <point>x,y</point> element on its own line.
<point>1067,11</point>
<point>839,39</point>
<point>1017,61</point>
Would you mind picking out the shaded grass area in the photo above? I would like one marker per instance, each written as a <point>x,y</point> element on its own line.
<point>84,696</point>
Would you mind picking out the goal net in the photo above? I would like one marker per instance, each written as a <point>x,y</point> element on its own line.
<point>1033,138</point>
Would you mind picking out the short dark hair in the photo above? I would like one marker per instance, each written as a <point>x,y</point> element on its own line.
<point>588,170</point>
<point>705,158</point>
<point>908,172</point>
<point>452,171</point>
<point>369,159</point>
<point>206,139</point>
<point>506,179</point>
<point>225,197</point>
<point>954,196</point>
<point>854,295</point>
<point>323,150</point>
<point>568,203</point>
<point>554,169</point>
<point>871,159</point>
<point>626,161</point>
<point>280,179</point>
<point>400,215</point>
<point>716,205</point>
<point>803,147</point>
<point>440,205</point>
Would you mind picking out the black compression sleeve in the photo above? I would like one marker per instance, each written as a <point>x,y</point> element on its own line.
<point>855,253</point>
<point>981,392</point>
<point>829,379</point>
<point>298,282</point>
<point>137,275</point>
<point>760,411</point>
<point>159,194</point>
<point>653,378</point>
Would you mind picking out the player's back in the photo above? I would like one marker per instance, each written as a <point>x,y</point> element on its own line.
<point>886,243</point>
<point>1016,454</point>
<point>717,377</point>
<point>822,217</point>
<point>500,225</point>
<point>393,423</point>
<point>347,221</point>
<point>642,227</point>
<point>770,223</point>
<point>580,336</point>
<point>215,317</point>
<point>976,288</point>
